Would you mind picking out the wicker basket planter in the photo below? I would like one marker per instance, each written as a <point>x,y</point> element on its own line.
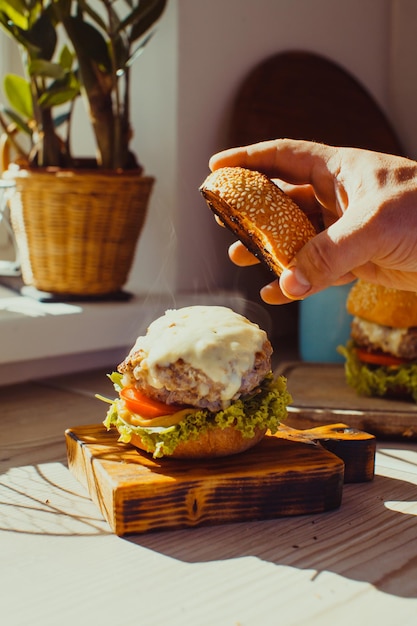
<point>76,231</point>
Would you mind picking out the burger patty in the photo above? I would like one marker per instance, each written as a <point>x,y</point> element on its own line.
<point>183,384</point>
<point>401,342</point>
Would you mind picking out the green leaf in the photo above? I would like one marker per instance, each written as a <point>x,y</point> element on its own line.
<point>138,51</point>
<point>14,11</point>
<point>96,17</point>
<point>16,119</point>
<point>88,42</point>
<point>39,67</point>
<point>66,58</point>
<point>143,17</point>
<point>61,119</point>
<point>55,97</point>
<point>17,90</point>
<point>43,37</point>
<point>265,409</point>
<point>378,381</point>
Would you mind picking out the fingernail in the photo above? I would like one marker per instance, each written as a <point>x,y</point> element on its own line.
<point>293,283</point>
<point>269,293</point>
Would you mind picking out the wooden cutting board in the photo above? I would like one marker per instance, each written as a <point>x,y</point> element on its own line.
<point>284,475</point>
<point>303,95</point>
<point>321,396</point>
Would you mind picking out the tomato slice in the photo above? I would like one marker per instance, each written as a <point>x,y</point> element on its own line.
<point>138,403</point>
<point>379,358</point>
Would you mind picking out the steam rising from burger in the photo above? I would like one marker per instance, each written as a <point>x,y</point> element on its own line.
<point>198,384</point>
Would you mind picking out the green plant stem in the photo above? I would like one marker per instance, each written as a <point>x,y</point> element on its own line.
<point>12,139</point>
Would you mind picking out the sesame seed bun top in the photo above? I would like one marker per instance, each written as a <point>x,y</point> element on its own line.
<point>263,217</point>
<point>383,305</point>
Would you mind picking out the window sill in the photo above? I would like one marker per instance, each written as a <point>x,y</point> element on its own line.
<point>45,339</point>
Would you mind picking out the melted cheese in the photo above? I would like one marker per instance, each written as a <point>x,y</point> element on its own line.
<point>380,338</point>
<point>162,421</point>
<point>213,339</point>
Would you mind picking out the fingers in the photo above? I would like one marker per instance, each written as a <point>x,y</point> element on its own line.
<point>330,258</point>
<point>366,202</point>
<point>295,286</point>
<point>291,160</point>
<point>304,196</point>
<point>272,294</point>
<point>241,255</point>
<point>395,279</point>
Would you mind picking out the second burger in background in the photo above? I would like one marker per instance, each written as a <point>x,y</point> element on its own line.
<point>381,356</point>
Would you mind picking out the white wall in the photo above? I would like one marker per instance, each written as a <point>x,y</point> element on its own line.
<point>214,45</point>
<point>403,72</point>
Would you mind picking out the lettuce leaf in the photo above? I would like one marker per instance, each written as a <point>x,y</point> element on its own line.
<point>266,408</point>
<point>368,380</point>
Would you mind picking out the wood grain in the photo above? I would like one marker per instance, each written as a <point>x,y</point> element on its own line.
<point>137,494</point>
<point>356,448</point>
<point>321,396</point>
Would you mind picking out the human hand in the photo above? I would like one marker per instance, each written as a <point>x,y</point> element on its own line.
<point>366,203</point>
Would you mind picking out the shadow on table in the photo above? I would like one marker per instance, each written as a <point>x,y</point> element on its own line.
<point>371,538</point>
<point>46,500</point>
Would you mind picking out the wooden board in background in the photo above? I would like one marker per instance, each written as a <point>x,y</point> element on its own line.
<point>321,396</point>
<point>304,95</point>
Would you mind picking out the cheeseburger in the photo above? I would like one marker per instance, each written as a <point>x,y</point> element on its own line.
<point>198,384</point>
<point>381,356</point>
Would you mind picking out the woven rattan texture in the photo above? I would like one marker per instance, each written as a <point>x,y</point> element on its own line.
<point>77,232</point>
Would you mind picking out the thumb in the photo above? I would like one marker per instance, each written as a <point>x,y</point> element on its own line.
<point>327,259</point>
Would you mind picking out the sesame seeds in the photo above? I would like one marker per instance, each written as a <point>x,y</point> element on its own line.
<point>383,305</point>
<point>259,213</point>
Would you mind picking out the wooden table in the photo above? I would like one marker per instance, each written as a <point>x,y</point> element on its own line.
<point>60,564</point>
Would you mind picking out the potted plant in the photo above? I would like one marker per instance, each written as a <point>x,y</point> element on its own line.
<point>74,49</point>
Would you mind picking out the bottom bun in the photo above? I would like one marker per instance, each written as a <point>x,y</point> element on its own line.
<point>214,442</point>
